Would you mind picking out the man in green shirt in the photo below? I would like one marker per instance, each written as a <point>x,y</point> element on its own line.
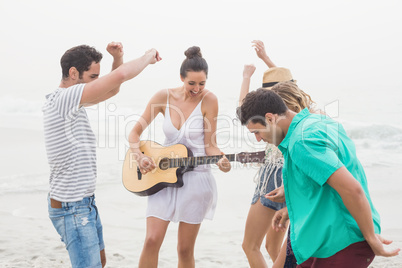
<point>333,221</point>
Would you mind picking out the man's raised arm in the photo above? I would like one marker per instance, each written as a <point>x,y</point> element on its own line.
<point>95,91</point>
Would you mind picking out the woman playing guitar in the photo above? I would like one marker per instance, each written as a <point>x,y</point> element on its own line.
<point>190,113</point>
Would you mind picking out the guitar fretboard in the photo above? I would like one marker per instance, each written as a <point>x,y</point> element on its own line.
<point>198,160</point>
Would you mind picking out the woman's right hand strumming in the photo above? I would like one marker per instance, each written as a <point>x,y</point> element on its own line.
<point>145,163</point>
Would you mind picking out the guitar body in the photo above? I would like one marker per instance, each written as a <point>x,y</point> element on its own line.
<point>171,163</point>
<point>159,178</point>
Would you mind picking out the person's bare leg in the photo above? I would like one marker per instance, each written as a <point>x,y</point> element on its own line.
<point>274,242</point>
<point>156,230</point>
<point>280,260</point>
<point>257,225</point>
<point>187,234</point>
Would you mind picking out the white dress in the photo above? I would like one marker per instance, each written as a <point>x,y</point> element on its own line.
<point>196,199</point>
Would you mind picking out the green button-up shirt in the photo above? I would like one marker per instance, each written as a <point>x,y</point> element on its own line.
<point>315,147</point>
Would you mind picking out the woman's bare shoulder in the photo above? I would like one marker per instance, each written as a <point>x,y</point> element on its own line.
<point>209,103</point>
<point>209,97</point>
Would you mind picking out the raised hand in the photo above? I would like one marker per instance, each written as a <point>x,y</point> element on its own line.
<point>154,54</point>
<point>248,70</point>
<point>115,49</point>
<point>261,53</point>
<point>259,49</point>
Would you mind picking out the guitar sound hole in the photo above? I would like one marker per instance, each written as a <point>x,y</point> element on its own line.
<point>164,164</point>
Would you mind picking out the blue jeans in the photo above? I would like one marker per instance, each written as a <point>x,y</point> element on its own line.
<point>80,228</point>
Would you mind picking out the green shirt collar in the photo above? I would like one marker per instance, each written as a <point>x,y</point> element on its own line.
<point>283,146</point>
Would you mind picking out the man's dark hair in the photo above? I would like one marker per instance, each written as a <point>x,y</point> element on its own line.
<point>257,103</point>
<point>80,57</point>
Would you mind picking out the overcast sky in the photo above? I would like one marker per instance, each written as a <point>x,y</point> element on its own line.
<point>331,47</point>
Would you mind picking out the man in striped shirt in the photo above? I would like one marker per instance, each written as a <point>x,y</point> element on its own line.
<point>71,146</point>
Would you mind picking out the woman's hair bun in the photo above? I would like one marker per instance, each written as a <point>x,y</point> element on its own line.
<point>194,62</point>
<point>193,52</point>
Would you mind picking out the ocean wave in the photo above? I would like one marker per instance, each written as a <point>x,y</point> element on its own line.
<point>377,145</point>
<point>373,131</point>
<point>24,183</point>
<point>119,117</point>
<point>375,136</point>
<point>18,106</point>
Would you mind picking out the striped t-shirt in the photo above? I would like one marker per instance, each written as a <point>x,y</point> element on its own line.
<point>70,145</point>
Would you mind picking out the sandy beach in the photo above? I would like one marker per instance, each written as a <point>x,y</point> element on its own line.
<point>28,238</point>
<point>345,54</point>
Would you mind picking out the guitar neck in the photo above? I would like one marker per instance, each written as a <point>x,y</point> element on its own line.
<point>198,160</point>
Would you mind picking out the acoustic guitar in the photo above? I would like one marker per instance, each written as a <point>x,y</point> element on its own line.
<point>171,163</point>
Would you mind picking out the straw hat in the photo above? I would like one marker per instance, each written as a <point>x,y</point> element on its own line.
<point>275,75</point>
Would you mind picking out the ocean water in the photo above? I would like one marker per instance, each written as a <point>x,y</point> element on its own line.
<point>378,141</point>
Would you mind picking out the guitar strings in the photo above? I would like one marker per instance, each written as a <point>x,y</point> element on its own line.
<point>198,160</point>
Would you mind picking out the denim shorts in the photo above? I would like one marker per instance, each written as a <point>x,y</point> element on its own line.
<point>270,187</point>
<point>80,228</point>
